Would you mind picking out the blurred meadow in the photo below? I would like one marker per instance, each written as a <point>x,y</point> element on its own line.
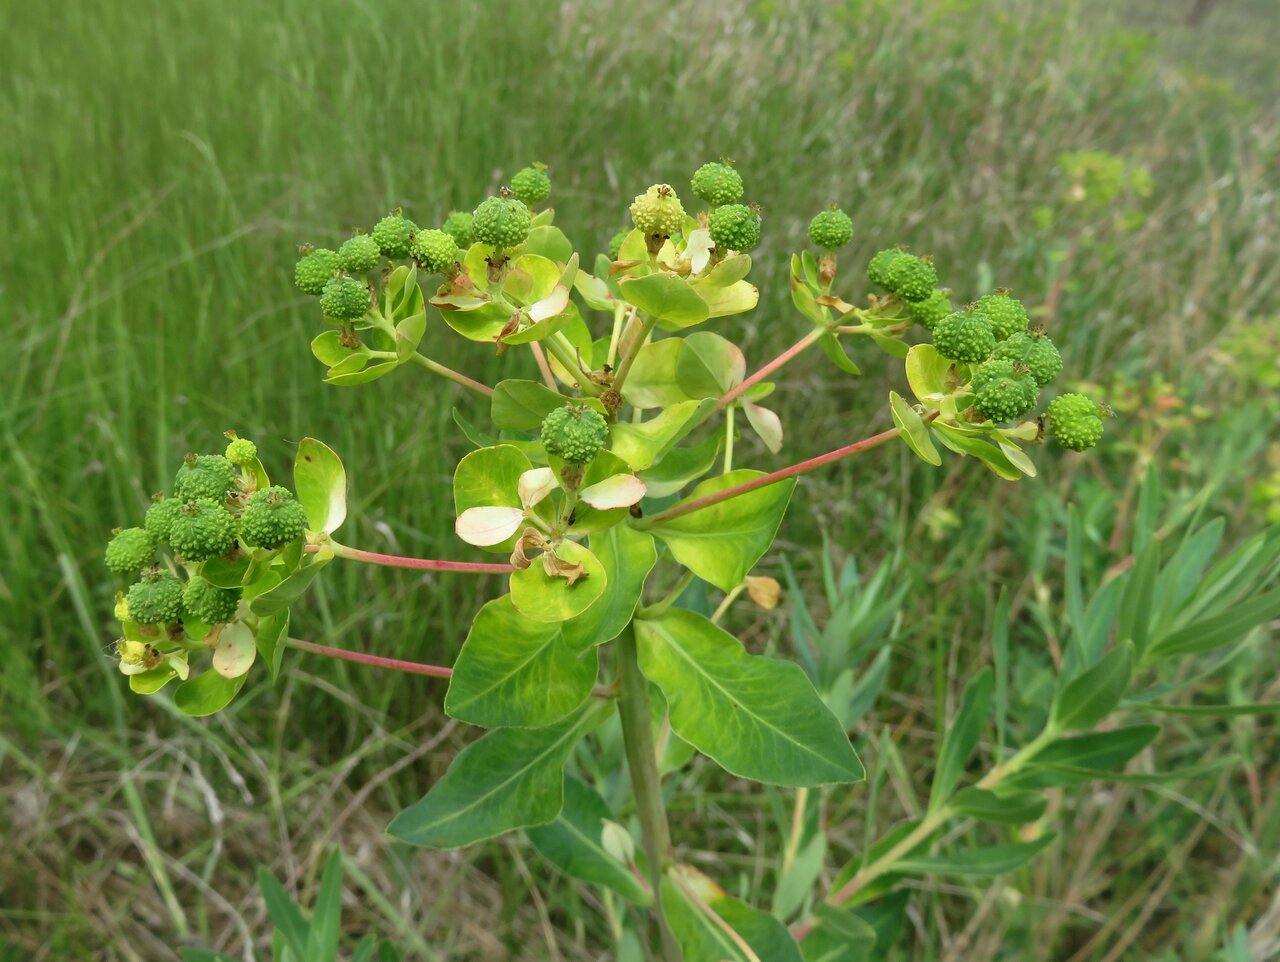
<point>1116,164</point>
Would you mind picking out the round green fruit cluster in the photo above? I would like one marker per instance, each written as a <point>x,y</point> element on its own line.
<point>735,227</point>
<point>156,599</point>
<point>501,222</point>
<point>1036,352</point>
<point>345,298</point>
<point>574,433</point>
<point>241,452</point>
<point>313,270</point>
<point>359,254</point>
<point>394,235</point>
<point>1076,421</point>
<point>435,250</point>
<point>658,211</point>
<point>272,518</point>
<point>531,185</point>
<point>159,517</point>
<point>458,226</point>
<point>130,551</point>
<point>717,183</point>
<point>204,476</point>
<point>615,244</point>
<point>1004,392</point>
<point>1007,315</point>
<point>209,603</point>
<point>964,336</point>
<point>831,229</point>
<point>931,310</point>
<point>202,529</point>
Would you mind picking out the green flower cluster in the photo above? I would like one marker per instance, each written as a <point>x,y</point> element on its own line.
<point>214,510</point>
<point>717,184</point>
<point>989,341</point>
<point>658,211</point>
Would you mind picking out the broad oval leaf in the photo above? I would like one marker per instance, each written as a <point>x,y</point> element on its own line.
<point>320,481</point>
<point>490,525</point>
<point>536,484</point>
<point>708,365</point>
<point>912,430</point>
<point>513,672</point>
<point>619,491</point>
<point>235,651</point>
<point>553,598</point>
<point>511,778</point>
<point>490,477</point>
<point>666,297</point>
<point>653,381</point>
<point>723,542</point>
<point>757,717</point>
<point>206,693</point>
<point>644,443</point>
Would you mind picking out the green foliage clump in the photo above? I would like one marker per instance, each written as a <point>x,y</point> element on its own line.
<point>345,298</point>
<point>831,228</point>
<point>458,226</point>
<point>313,270</point>
<point>1035,351</point>
<point>964,336</point>
<point>531,185</point>
<point>501,222</point>
<point>735,227</point>
<point>1007,315</point>
<point>394,234</point>
<point>156,599</point>
<point>658,211</point>
<point>204,476</point>
<point>359,254</point>
<point>910,277</point>
<point>717,183</point>
<point>203,529</point>
<point>241,452</point>
<point>130,551</point>
<point>159,517</point>
<point>928,312</point>
<point>436,250</point>
<point>208,602</point>
<point>272,518</point>
<point>1076,421</point>
<point>575,433</point>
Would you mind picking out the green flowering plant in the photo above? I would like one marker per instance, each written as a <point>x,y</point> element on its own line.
<point>602,488</point>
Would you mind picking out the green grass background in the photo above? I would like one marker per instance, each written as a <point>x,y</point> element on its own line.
<point>161,161</point>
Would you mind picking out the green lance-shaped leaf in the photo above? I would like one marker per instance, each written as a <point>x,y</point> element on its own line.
<point>841,936</point>
<point>555,598</point>
<point>1090,697</point>
<point>290,925</point>
<point>320,482</point>
<point>270,637</point>
<point>516,672</point>
<point>1016,809</point>
<point>627,556</point>
<point>989,454</point>
<point>511,778</point>
<point>326,917</point>
<point>758,717</point>
<point>284,592</point>
<point>206,693</point>
<point>1082,758</point>
<point>574,843</point>
<point>961,738</point>
<point>993,860</point>
<point>834,350</point>
<point>723,542</point>
<point>665,297</point>
<point>689,898</point>
<point>912,430</point>
<point>1220,629</point>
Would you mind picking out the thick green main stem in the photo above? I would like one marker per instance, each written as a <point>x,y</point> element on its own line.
<point>646,782</point>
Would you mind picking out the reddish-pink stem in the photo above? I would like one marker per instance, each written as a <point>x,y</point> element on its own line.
<point>377,661</point>
<point>413,667</point>
<point>798,347</point>
<point>804,467</point>
<point>418,564</point>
